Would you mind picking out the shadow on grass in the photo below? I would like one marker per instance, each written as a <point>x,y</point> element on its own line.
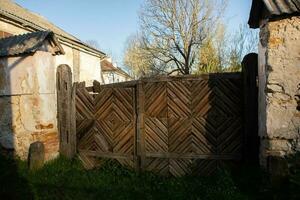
<point>12,184</point>
<point>62,179</point>
<point>65,179</point>
<point>255,183</point>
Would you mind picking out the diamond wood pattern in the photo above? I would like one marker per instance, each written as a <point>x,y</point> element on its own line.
<point>105,125</point>
<point>192,125</point>
<point>171,126</point>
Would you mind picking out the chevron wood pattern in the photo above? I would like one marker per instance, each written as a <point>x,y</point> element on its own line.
<point>192,124</point>
<point>174,126</point>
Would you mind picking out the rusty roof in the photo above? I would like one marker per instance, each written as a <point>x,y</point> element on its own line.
<point>107,66</point>
<point>28,43</point>
<point>28,19</point>
<point>270,8</point>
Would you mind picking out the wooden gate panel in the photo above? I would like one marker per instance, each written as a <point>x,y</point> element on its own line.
<point>106,125</point>
<point>156,135</point>
<point>185,125</point>
<point>180,137</point>
<point>203,124</point>
<point>179,99</point>
<point>157,165</point>
<point>180,167</point>
<point>156,99</point>
<point>204,166</point>
<point>206,143</point>
<point>201,97</point>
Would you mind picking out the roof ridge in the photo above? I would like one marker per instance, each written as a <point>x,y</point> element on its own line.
<point>24,16</point>
<point>37,15</point>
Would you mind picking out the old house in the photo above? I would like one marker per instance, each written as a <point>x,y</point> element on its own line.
<point>112,74</point>
<point>279,75</point>
<point>83,59</point>
<point>28,92</point>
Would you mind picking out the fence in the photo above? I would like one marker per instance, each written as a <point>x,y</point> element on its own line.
<point>170,125</point>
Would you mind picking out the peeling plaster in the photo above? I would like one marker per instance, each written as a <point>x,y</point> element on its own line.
<point>279,77</point>
<point>29,105</point>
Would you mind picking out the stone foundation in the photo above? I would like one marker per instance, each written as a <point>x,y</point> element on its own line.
<point>22,124</point>
<point>279,88</point>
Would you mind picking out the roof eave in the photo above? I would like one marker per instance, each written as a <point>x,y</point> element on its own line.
<point>59,50</point>
<point>26,24</point>
<point>266,9</point>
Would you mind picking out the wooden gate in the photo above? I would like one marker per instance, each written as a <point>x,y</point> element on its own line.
<point>170,125</point>
<point>106,124</point>
<point>192,125</point>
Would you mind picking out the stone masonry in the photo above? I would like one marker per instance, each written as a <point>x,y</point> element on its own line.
<point>279,87</point>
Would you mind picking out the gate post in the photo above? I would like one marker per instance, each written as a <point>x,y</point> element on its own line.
<point>251,138</point>
<point>140,138</point>
<point>66,111</point>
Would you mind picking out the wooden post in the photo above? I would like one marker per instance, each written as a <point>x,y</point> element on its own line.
<point>251,139</point>
<point>96,86</point>
<point>36,155</point>
<point>73,136</point>
<point>136,159</point>
<point>140,139</point>
<point>66,111</point>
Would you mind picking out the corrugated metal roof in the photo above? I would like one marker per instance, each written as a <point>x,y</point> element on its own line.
<point>30,19</point>
<point>269,8</point>
<point>280,7</point>
<point>27,43</point>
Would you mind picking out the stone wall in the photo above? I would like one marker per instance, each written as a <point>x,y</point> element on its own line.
<point>279,87</point>
<point>28,104</point>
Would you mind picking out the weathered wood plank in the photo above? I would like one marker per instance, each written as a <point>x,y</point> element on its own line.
<point>195,156</point>
<point>66,112</point>
<point>165,124</point>
<point>101,154</point>
<point>141,125</point>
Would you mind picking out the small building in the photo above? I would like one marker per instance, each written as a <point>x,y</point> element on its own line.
<point>112,74</point>
<point>279,76</point>
<point>28,92</point>
<point>83,59</point>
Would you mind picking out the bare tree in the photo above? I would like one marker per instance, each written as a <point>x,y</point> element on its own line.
<point>136,59</point>
<point>174,30</point>
<point>213,52</point>
<point>93,43</point>
<point>242,42</point>
<point>223,51</point>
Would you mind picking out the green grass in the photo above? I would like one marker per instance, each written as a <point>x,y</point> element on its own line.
<point>65,179</point>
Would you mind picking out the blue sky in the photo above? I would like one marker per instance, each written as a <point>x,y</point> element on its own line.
<point>110,22</point>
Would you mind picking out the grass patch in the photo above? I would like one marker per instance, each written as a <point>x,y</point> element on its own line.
<point>65,179</point>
